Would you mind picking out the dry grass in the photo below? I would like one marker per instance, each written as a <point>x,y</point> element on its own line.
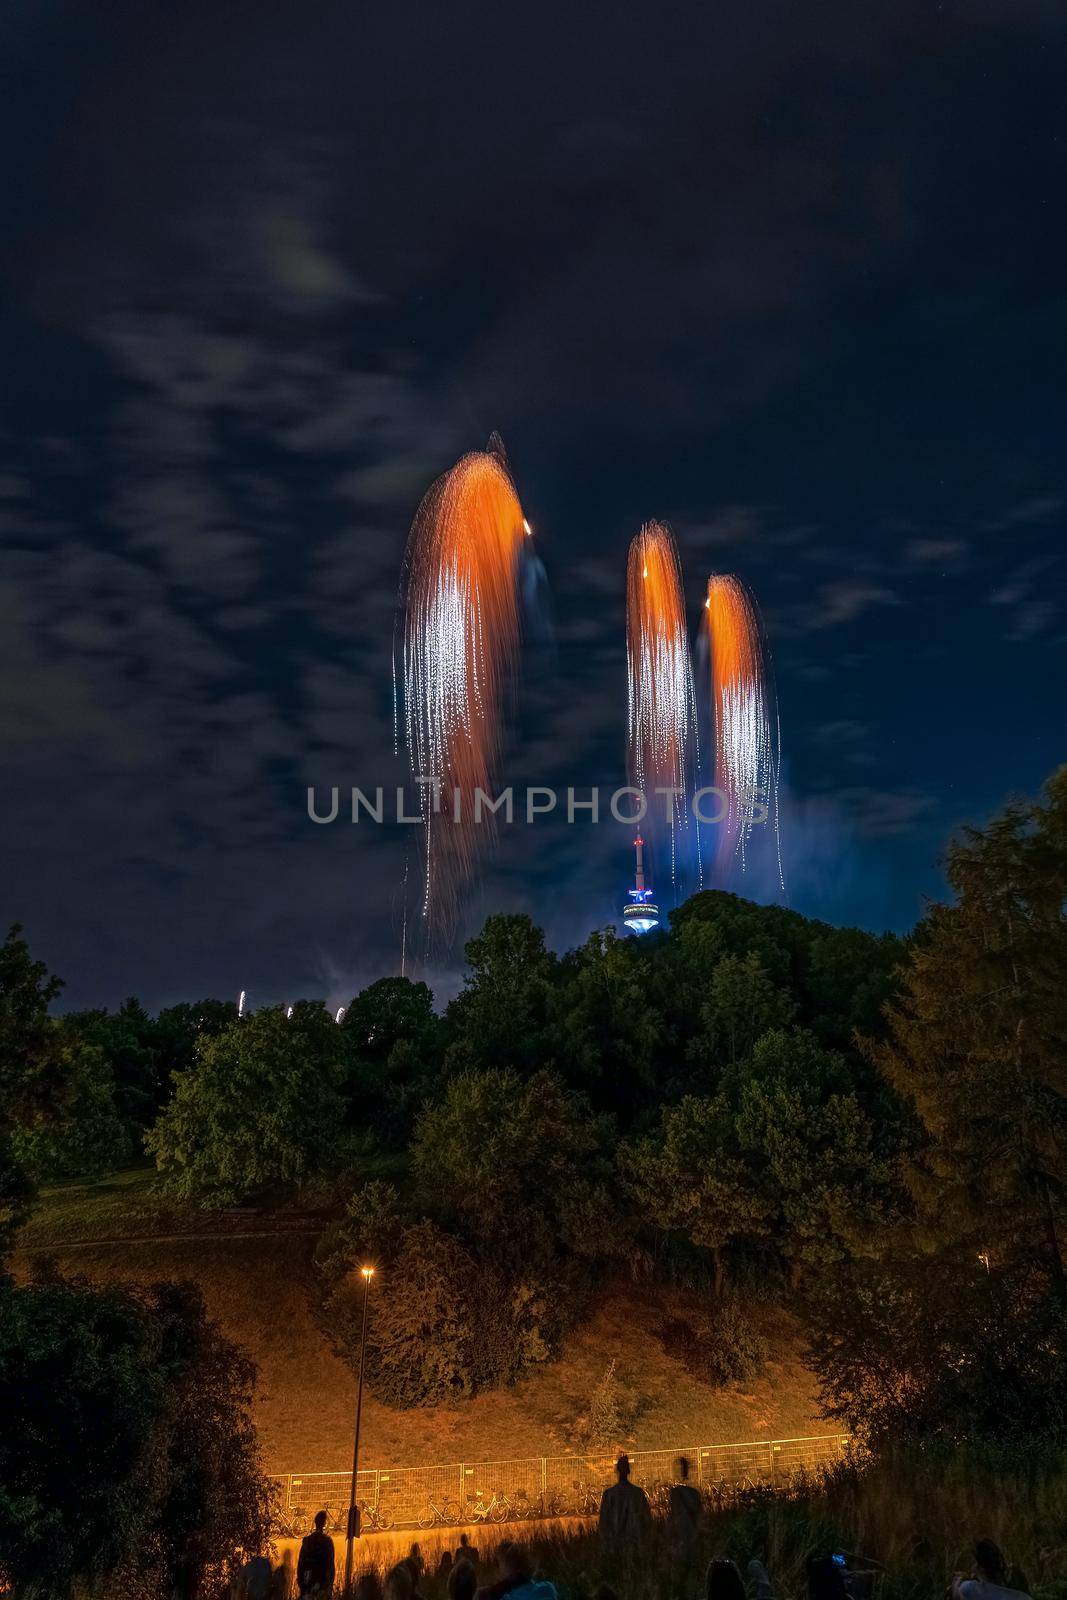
<point>917,1519</point>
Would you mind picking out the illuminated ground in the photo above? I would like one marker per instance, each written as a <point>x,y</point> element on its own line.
<point>253,1281</point>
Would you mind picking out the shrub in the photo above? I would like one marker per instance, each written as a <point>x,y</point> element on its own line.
<point>719,1348</point>
<point>128,1457</point>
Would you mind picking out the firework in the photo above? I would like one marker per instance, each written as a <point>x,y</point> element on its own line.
<point>745,719</point>
<point>662,710</point>
<point>461,635</point>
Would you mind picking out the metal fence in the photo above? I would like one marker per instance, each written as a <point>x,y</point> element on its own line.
<point>546,1485</point>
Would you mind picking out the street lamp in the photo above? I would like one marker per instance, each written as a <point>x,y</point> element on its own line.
<point>367,1273</point>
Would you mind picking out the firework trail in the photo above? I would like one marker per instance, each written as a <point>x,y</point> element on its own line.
<point>662,708</point>
<point>461,635</point>
<point>747,741</point>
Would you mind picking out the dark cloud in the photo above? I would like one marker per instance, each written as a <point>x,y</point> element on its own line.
<point>269,275</point>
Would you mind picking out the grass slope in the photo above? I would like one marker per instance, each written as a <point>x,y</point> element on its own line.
<point>252,1268</point>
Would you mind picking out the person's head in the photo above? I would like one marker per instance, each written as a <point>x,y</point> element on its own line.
<point>681,1469</point>
<point>989,1561</point>
<point>320,1521</point>
<point>462,1580</point>
<point>464,1541</point>
<point>513,1560</point>
<point>826,1578</point>
<point>399,1584</point>
<point>368,1585</point>
<point>444,1565</point>
<point>415,1556</point>
<point>722,1581</point>
<point>622,1468</point>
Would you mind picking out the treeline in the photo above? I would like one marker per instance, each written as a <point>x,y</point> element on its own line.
<point>874,1129</point>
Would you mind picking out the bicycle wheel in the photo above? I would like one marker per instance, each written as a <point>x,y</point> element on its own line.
<point>381,1523</point>
<point>427,1517</point>
<point>451,1511</point>
<point>500,1511</point>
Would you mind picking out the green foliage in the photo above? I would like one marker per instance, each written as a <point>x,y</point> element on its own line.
<point>954,1323</point>
<point>91,1137</point>
<point>157,1475</point>
<point>501,1017</point>
<point>393,1041</point>
<point>488,1261</point>
<point>443,1326</point>
<point>742,1005</point>
<point>605,1412</point>
<point>726,1347</point>
<point>260,1108</point>
<point>44,1081</point>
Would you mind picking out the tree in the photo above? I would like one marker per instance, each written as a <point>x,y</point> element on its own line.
<point>36,1090</point>
<point>978,1042</point>
<point>91,1137</point>
<point>393,1041</point>
<point>742,1004</point>
<point>509,1162</point>
<point>128,1457</point>
<point>693,1177</point>
<point>611,1037</point>
<point>782,1158</point>
<point>605,1412</point>
<point>261,1108</point>
<point>500,1018</point>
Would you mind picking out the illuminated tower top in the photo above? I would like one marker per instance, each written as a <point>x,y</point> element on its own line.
<point>640,913</point>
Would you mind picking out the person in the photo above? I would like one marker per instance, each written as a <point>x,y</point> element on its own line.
<point>255,1580</point>
<point>284,1578</point>
<point>467,1551</point>
<point>462,1580</point>
<point>315,1564</point>
<point>685,1514</point>
<point>399,1584</point>
<point>625,1514</point>
<point>417,1560</point>
<point>757,1581</point>
<point>826,1578</point>
<point>444,1565</point>
<point>992,1581</point>
<point>369,1585</point>
<point>516,1578</point>
<point>722,1581</point>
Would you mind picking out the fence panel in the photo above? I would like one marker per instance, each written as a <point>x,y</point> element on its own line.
<point>458,1492</point>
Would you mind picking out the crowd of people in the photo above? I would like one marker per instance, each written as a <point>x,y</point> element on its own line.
<point>624,1522</point>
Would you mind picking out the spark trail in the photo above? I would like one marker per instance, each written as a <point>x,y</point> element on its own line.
<point>461,636</point>
<point>745,718</point>
<point>662,709</point>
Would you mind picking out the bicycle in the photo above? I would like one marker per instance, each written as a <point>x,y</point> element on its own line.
<point>434,1515</point>
<point>586,1501</point>
<point>497,1510</point>
<point>372,1519</point>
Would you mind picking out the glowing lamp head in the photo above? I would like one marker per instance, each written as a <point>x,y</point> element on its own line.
<point>367,1273</point>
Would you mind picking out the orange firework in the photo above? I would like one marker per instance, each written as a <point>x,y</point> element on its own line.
<point>662,713</point>
<point>461,636</point>
<point>745,721</point>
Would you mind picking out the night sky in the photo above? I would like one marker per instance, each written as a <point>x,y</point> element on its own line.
<point>788,276</point>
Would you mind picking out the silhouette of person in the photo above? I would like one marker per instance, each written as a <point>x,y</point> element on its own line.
<point>315,1565</point>
<point>625,1514</point>
<point>685,1514</point>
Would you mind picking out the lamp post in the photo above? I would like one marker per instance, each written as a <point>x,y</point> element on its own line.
<point>367,1274</point>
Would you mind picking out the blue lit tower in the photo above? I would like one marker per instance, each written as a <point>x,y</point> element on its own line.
<point>640,913</point>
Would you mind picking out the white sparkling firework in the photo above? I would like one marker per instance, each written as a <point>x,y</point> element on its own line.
<point>461,635</point>
<point>662,720</point>
<point>747,735</point>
